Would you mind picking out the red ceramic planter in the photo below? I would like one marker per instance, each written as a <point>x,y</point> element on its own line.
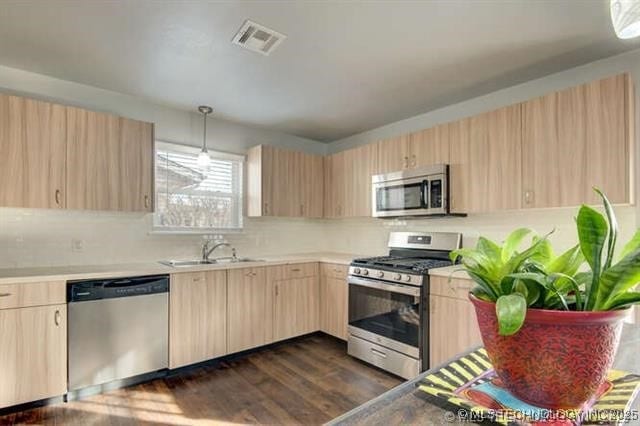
<point>558,359</point>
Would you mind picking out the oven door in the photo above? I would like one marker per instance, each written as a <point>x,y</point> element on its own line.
<point>400,197</point>
<point>386,313</point>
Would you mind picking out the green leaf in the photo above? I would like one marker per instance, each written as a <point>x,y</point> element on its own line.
<point>478,292</point>
<point>617,280</point>
<point>625,299</point>
<point>632,245</point>
<point>490,249</point>
<point>516,261</point>
<point>512,242</point>
<point>485,284</point>
<point>544,254</point>
<point>511,311</point>
<point>529,289</point>
<point>592,233</point>
<point>612,236</point>
<point>568,262</point>
<point>563,283</point>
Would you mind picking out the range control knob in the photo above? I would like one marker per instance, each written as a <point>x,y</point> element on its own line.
<point>365,272</point>
<point>397,277</point>
<point>356,270</point>
<point>407,278</point>
<point>380,274</point>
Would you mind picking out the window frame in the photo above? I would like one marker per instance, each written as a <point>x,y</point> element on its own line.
<point>214,154</point>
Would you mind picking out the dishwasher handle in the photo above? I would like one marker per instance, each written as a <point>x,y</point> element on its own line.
<point>87,290</point>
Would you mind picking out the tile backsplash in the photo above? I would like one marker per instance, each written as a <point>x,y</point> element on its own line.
<point>54,238</point>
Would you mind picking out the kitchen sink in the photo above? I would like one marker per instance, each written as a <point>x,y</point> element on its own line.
<point>199,262</point>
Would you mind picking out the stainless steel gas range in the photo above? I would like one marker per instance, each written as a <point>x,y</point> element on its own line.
<point>389,301</point>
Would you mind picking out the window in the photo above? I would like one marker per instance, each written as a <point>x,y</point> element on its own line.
<point>189,199</point>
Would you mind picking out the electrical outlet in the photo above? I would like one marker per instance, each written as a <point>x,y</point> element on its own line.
<point>77,246</point>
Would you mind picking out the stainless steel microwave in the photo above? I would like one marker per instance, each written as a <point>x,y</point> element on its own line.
<point>423,191</point>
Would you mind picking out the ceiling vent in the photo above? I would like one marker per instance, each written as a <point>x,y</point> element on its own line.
<point>258,38</point>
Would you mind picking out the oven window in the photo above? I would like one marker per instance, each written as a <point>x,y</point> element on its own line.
<point>400,197</point>
<point>392,315</point>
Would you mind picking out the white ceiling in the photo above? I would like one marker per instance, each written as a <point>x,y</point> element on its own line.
<point>346,66</point>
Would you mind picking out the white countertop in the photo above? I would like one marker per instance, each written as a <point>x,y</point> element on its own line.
<point>81,272</point>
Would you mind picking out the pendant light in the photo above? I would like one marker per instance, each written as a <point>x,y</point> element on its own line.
<point>203,158</point>
<point>625,16</point>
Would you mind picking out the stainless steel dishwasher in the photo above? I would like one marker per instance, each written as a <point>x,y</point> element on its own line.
<point>118,328</point>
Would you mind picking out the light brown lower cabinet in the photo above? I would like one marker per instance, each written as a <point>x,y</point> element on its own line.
<point>452,320</point>
<point>249,309</point>
<point>198,317</point>
<point>295,299</point>
<point>33,354</point>
<point>334,294</point>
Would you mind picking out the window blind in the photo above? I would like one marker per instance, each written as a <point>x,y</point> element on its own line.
<point>191,199</point>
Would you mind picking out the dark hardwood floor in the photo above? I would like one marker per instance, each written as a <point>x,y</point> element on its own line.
<point>310,380</point>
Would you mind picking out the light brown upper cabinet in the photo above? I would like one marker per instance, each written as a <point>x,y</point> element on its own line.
<point>284,183</point>
<point>576,139</point>
<point>485,158</point>
<point>393,154</point>
<point>32,153</point>
<point>429,146</point>
<point>109,162</point>
<point>335,181</point>
<point>53,156</point>
<point>348,182</point>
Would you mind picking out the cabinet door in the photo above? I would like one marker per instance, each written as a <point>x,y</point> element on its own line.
<point>311,185</point>
<point>335,192</point>
<point>485,161</point>
<point>393,154</point>
<point>360,164</point>
<point>452,328</point>
<point>93,160</point>
<point>333,306</point>
<point>136,166</point>
<point>33,354</point>
<point>576,139</point>
<point>429,146</point>
<point>610,131</point>
<point>32,153</point>
<point>198,317</point>
<point>109,162</point>
<point>296,307</point>
<point>249,309</point>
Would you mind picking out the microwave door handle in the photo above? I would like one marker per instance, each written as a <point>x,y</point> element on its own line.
<point>424,189</point>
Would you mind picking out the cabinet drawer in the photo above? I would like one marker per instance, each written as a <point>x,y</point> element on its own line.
<point>334,270</point>
<point>23,295</point>
<point>457,288</point>
<point>298,270</point>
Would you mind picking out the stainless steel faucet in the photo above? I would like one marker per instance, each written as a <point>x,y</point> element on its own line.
<point>206,251</point>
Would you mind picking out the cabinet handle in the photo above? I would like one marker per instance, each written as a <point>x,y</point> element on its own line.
<point>413,161</point>
<point>58,194</point>
<point>146,201</point>
<point>405,162</point>
<point>266,208</point>
<point>301,210</point>
<point>196,279</point>
<point>5,294</point>
<point>277,290</point>
<point>528,197</point>
<point>378,353</point>
<point>296,270</point>
<point>56,318</point>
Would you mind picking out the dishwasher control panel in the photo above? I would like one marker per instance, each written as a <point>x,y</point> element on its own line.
<point>86,290</point>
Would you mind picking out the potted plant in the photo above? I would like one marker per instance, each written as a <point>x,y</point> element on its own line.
<point>551,324</point>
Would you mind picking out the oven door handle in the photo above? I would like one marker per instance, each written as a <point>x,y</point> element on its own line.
<point>380,285</point>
